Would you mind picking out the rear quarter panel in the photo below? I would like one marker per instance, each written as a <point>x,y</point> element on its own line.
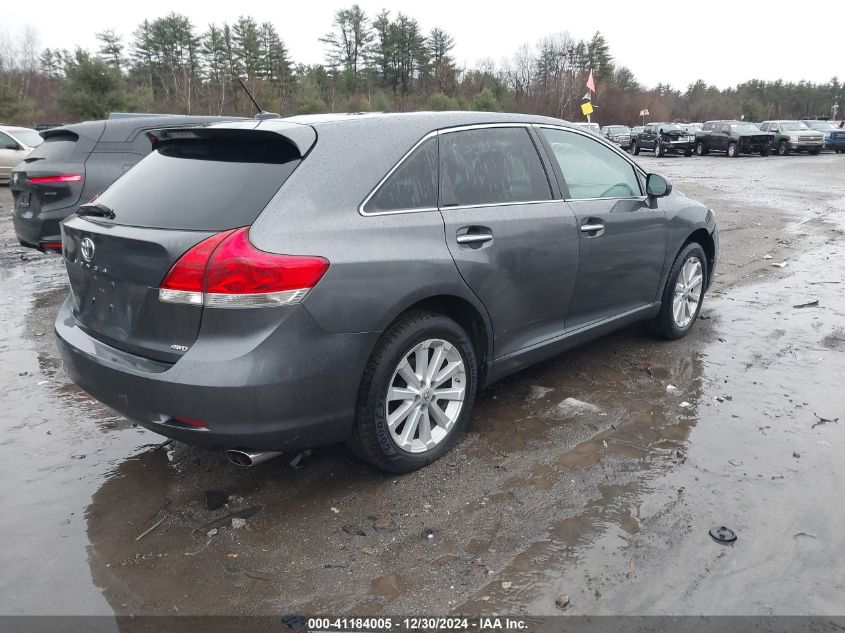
<point>380,264</point>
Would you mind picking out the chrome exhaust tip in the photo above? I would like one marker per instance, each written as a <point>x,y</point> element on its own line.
<point>247,458</point>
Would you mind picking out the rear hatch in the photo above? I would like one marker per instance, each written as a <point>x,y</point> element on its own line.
<point>52,176</point>
<point>195,184</point>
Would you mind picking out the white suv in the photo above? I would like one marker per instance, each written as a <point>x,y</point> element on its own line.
<point>15,144</point>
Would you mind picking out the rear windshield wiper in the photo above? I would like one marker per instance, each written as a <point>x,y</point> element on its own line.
<point>96,209</point>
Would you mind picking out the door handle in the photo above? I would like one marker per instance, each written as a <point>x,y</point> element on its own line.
<point>590,228</point>
<point>474,238</point>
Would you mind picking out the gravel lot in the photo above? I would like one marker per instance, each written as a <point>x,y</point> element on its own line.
<point>610,505</point>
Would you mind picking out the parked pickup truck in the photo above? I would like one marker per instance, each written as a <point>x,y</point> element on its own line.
<point>733,138</point>
<point>793,136</point>
<point>662,138</point>
<point>834,137</point>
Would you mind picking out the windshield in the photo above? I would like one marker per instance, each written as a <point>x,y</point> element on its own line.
<point>31,138</point>
<point>821,126</point>
<point>744,127</point>
<point>618,129</point>
<point>672,127</point>
<point>792,126</point>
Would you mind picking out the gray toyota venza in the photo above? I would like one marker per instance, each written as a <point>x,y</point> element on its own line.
<point>268,286</point>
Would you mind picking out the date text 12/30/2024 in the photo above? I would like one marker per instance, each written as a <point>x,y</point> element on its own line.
<point>483,623</point>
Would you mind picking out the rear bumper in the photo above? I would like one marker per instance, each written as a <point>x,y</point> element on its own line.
<point>290,388</point>
<point>32,228</point>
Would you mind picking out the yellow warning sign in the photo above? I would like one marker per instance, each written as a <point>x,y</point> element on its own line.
<point>587,108</point>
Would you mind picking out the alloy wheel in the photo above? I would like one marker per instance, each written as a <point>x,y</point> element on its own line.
<point>425,395</point>
<point>688,292</point>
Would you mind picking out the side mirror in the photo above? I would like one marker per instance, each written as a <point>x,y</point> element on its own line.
<point>656,186</point>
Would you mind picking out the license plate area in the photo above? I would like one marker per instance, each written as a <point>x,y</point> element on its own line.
<point>23,199</point>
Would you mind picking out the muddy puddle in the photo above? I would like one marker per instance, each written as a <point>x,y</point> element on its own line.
<point>596,475</point>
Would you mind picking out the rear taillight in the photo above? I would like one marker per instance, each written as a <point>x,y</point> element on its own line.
<point>227,271</point>
<point>43,180</point>
<point>55,247</point>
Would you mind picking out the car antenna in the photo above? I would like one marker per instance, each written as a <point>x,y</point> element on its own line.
<point>261,114</point>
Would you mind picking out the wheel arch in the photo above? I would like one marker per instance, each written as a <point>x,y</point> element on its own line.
<point>473,319</point>
<point>702,236</point>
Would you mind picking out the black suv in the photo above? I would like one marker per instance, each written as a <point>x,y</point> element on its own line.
<point>663,138</point>
<point>733,138</point>
<point>75,163</point>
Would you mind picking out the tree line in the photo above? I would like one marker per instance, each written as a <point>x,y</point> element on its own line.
<point>386,62</point>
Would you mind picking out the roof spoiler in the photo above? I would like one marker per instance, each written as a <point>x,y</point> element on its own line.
<point>300,137</point>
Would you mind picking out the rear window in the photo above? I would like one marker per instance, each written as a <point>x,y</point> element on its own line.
<point>209,184</point>
<point>56,148</point>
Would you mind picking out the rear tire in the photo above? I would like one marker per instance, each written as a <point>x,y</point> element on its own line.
<point>635,148</point>
<point>666,325</point>
<point>372,438</point>
<point>732,151</point>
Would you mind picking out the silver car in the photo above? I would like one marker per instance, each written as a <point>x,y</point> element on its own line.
<point>15,144</point>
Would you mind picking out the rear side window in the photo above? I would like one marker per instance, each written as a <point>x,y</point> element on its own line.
<point>412,186</point>
<point>56,148</point>
<point>209,184</point>
<point>491,166</point>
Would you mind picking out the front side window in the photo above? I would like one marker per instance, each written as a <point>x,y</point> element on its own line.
<point>793,126</point>
<point>491,166</point>
<point>6,141</point>
<point>412,186</point>
<point>590,169</point>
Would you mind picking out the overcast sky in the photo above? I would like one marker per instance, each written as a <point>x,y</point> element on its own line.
<point>672,42</point>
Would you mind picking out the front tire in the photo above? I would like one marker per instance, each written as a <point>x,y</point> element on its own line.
<point>635,148</point>
<point>659,150</point>
<point>783,149</point>
<point>417,393</point>
<point>682,294</point>
<point>815,152</point>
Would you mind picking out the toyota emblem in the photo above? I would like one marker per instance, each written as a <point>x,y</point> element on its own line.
<point>87,249</point>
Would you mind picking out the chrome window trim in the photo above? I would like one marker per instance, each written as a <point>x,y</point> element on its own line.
<point>435,133</point>
<point>612,147</point>
<point>500,204</point>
